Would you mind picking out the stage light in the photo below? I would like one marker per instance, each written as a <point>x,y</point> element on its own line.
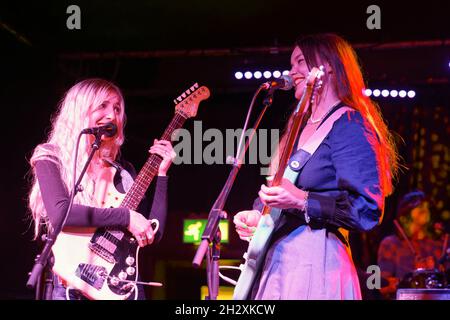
<point>368,92</point>
<point>276,74</point>
<point>285,72</point>
<point>248,75</point>
<point>411,93</point>
<point>238,75</point>
<point>257,74</point>
<point>386,93</point>
<point>267,74</point>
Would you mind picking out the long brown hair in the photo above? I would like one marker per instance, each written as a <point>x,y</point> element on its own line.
<point>349,86</point>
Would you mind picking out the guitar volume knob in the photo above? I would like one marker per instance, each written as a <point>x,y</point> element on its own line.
<point>129,261</point>
<point>131,271</point>
<point>123,275</point>
<point>115,281</point>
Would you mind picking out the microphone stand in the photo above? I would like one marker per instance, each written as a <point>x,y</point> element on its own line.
<point>42,260</point>
<point>211,234</point>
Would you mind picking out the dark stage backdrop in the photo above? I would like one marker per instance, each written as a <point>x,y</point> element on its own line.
<point>32,83</point>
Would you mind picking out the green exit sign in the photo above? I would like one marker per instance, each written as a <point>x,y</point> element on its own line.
<point>193,230</point>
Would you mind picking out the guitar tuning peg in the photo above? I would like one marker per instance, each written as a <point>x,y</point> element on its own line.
<point>179,99</point>
<point>183,95</point>
<point>175,101</point>
<point>196,85</point>
<point>188,91</point>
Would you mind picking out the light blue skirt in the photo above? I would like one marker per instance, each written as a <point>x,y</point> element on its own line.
<point>308,264</point>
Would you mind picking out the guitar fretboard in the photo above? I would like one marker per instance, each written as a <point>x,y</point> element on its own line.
<point>150,168</point>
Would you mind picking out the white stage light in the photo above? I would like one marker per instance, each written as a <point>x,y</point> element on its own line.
<point>267,74</point>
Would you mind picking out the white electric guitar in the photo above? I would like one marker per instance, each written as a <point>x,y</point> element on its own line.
<point>102,263</point>
<point>259,243</point>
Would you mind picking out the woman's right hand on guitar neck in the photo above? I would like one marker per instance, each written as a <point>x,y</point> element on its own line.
<point>245,223</point>
<point>141,228</point>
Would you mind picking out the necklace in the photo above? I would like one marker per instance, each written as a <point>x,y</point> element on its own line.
<point>311,120</point>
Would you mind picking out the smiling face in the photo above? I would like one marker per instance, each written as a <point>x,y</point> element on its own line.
<point>107,110</point>
<point>299,71</point>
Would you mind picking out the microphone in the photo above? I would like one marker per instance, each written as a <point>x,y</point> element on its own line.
<point>109,130</point>
<point>285,82</point>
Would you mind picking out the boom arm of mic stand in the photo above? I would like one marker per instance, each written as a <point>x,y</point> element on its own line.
<point>211,234</point>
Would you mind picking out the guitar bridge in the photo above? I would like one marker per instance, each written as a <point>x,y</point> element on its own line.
<point>102,252</point>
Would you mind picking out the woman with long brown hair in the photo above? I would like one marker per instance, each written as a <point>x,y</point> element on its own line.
<point>341,187</point>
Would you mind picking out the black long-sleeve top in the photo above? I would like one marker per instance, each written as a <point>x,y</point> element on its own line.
<point>56,200</point>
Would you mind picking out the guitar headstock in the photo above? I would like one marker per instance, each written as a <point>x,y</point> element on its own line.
<point>187,103</point>
<point>314,75</point>
<point>315,81</point>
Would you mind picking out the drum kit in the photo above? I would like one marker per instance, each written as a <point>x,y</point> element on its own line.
<point>429,278</point>
<point>426,279</point>
<point>425,283</point>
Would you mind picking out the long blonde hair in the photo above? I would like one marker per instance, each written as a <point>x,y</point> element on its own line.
<point>71,117</point>
<point>349,85</point>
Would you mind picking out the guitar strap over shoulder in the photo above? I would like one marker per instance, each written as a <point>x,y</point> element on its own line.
<point>269,222</point>
<point>127,179</point>
<point>302,156</point>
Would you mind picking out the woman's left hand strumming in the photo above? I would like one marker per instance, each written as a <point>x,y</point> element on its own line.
<point>284,196</point>
<point>164,149</point>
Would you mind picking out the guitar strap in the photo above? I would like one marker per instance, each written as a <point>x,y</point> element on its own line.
<point>127,179</point>
<point>270,222</point>
<point>301,157</point>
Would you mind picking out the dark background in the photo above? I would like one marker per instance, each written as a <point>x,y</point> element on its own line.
<point>156,49</point>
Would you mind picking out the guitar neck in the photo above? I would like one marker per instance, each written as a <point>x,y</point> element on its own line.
<point>150,169</point>
<point>290,142</point>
